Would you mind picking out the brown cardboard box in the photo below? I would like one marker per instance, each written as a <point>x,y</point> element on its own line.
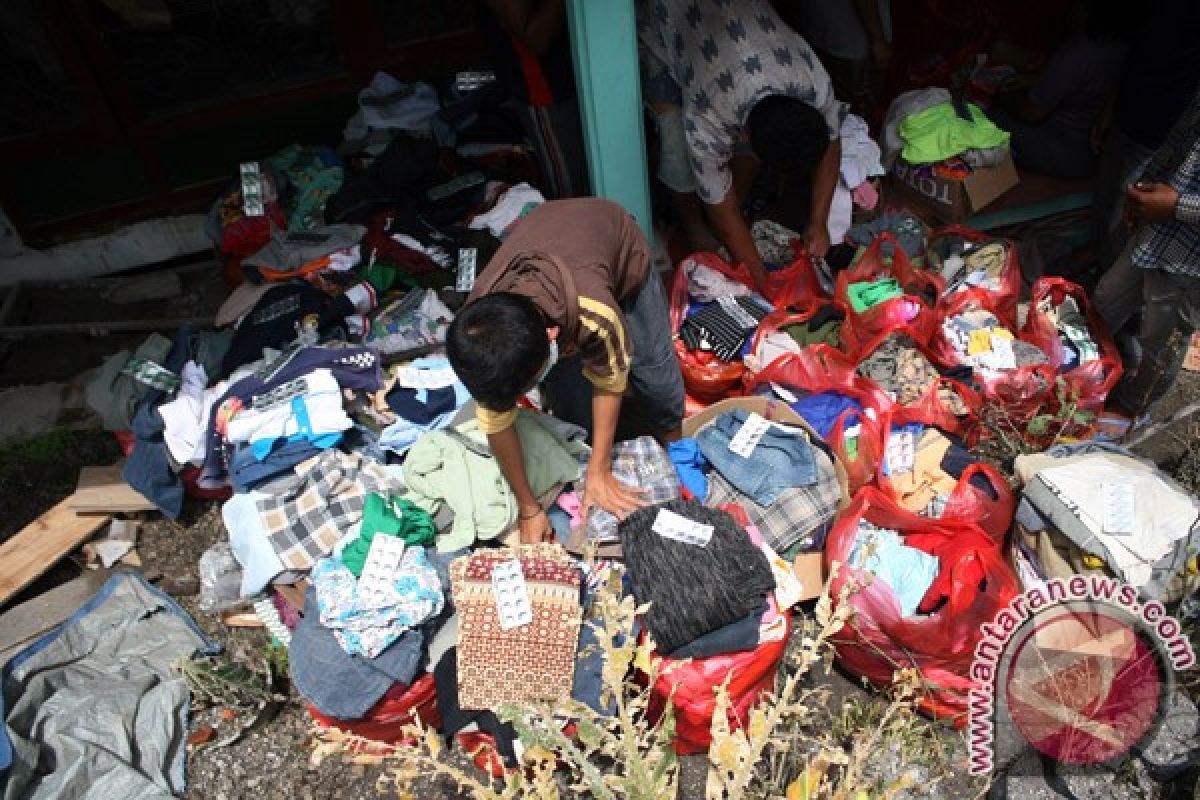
<point>809,568</point>
<point>951,200</point>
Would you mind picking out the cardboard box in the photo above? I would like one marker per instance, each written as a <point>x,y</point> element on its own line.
<point>951,200</point>
<point>809,568</point>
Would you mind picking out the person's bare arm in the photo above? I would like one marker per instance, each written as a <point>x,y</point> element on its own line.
<point>601,488</point>
<point>531,519</point>
<point>816,236</point>
<point>726,218</point>
<point>872,20</point>
<point>535,22</point>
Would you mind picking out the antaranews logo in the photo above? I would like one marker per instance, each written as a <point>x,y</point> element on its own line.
<point>1079,669</point>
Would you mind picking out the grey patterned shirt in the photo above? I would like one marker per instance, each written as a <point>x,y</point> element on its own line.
<point>725,56</point>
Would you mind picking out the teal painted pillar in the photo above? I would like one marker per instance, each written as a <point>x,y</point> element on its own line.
<point>604,49</point>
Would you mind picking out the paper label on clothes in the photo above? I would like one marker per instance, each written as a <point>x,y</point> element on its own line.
<point>253,203</point>
<point>675,526</point>
<point>748,436</point>
<point>1118,507</point>
<point>901,452</point>
<point>740,315</point>
<point>464,281</point>
<point>1002,356</point>
<point>512,598</point>
<point>417,378</point>
<point>375,584</point>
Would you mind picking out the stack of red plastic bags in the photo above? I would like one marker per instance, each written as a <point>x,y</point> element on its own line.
<point>1071,360</point>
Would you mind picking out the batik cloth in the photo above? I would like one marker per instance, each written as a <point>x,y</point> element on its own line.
<point>304,522</point>
<point>526,664</point>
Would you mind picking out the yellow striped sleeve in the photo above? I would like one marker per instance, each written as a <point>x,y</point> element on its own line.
<point>495,421</point>
<point>606,366</point>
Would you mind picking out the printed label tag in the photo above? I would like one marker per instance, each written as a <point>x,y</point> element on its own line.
<point>901,452</point>
<point>512,598</point>
<point>375,584</point>
<point>465,279</point>
<point>1118,507</point>
<point>417,378</point>
<point>675,526</point>
<point>748,436</point>
<point>740,315</point>
<point>1002,356</point>
<point>253,204</point>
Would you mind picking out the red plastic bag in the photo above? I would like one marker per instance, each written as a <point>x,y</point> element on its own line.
<point>1022,391</point>
<point>387,719</point>
<point>974,582</point>
<point>706,377</point>
<point>968,503</point>
<point>1002,301</point>
<point>912,312</point>
<point>782,317</point>
<point>1087,385</point>
<point>822,369</point>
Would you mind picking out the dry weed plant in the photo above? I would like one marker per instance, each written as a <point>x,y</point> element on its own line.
<point>787,749</point>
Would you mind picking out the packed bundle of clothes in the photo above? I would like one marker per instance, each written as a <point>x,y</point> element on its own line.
<point>943,134</point>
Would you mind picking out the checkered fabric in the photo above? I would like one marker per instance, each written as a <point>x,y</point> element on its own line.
<point>304,522</point>
<point>527,664</point>
<point>640,462</point>
<point>1174,245</point>
<point>800,517</point>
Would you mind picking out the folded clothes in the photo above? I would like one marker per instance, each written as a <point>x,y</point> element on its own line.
<point>691,465</point>
<point>800,518</point>
<point>868,294</point>
<point>907,571</point>
<point>984,344</point>
<point>821,410</point>
<point>724,327</point>
<point>387,515</point>
<point>781,459</point>
<point>693,590</point>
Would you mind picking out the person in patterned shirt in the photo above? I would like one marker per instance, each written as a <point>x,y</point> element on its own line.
<point>1159,270</point>
<point>730,85</point>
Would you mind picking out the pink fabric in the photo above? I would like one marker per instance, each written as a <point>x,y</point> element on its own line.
<point>570,503</point>
<point>865,195</point>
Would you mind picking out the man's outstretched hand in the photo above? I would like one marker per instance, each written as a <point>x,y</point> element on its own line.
<point>602,489</point>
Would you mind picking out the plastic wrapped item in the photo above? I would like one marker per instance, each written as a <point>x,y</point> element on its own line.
<point>974,582</point>
<point>1020,391</point>
<point>1002,299</point>
<point>707,378</point>
<point>1087,385</point>
<point>911,313</point>
<point>220,578</point>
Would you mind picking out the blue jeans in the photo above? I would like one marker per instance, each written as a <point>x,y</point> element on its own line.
<point>779,462</point>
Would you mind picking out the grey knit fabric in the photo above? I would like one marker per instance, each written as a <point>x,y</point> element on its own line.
<point>693,590</point>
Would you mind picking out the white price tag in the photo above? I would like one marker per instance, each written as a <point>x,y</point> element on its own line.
<point>464,281</point>
<point>1002,356</point>
<point>1118,507</point>
<point>414,378</point>
<point>375,584</point>
<point>901,452</point>
<point>748,436</point>
<point>740,315</point>
<point>675,526</point>
<point>512,598</point>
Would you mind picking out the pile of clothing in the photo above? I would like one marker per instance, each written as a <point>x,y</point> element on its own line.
<point>946,136</point>
<point>899,367</point>
<point>1093,507</point>
<point>967,263</point>
<point>924,465</point>
<point>1079,346</point>
<point>907,571</point>
<point>983,344</point>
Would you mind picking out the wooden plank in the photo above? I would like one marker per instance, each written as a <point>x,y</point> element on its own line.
<point>20,625</point>
<point>102,489</point>
<point>43,543</point>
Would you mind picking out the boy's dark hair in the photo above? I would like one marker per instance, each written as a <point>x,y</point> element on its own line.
<point>497,346</point>
<point>787,134</point>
